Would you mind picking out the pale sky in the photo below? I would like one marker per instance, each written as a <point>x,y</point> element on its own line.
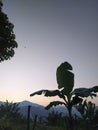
<point>48,33</point>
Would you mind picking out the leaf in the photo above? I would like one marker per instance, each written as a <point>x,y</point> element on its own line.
<point>65,78</point>
<point>94,89</point>
<point>81,107</point>
<point>55,103</point>
<point>49,93</point>
<point>76,100</point>
<point>86,92</point>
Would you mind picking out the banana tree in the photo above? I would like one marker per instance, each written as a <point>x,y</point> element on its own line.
<point>88,111</point>
<point>65,91</point>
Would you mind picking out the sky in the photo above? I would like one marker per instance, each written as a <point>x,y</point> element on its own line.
<point>48,33</point>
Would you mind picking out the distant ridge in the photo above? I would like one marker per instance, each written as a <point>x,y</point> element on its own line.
<point>1,102</point>
<point>40,111</point>
<point>27,103</point>
<point>35,110</point>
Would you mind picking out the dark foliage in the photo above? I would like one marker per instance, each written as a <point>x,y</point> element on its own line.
<point>9,112</point>
<point>54,118</point>
<point>7,37</point>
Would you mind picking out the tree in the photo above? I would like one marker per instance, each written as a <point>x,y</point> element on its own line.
<point>9,111</point>
<point>7,37</point>
<point>10,116</point>
<point>87,110</point>
<point>65,81</point>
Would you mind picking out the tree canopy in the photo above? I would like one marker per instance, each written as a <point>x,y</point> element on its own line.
<point>7,37</point>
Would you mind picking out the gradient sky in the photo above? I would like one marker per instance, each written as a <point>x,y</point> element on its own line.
<point>48,33</point>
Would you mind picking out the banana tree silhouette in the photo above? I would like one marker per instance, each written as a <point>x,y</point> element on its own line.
<point>65,81</point>
<point>88,111</point>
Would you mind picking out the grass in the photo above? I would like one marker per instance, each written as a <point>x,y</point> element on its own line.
<point>41,127</point>
<point>23,126</point>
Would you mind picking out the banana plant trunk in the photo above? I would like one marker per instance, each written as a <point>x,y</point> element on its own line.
<point>70,122</point>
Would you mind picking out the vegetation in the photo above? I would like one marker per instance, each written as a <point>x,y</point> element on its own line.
<point>10,116</point>
<point>7,37</point>
<point>11,119</point>
<point>54,118</point>
<point>89,112</point>
<point>65,80</point>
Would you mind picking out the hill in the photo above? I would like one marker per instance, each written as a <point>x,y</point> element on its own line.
<point>35,109</point>
<point>40,111</point>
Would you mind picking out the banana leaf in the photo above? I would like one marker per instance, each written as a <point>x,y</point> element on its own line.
<point>65,78</point>
<point>76,100</point>
<point>48,93</point>
<point>54,103</point>
<point>86,92</point>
